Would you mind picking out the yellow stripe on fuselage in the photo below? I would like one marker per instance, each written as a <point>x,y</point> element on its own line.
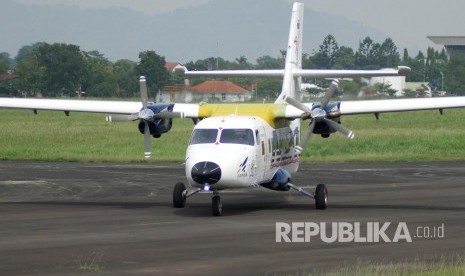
<point>273,114</point>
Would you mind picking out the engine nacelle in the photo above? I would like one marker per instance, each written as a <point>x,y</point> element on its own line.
<point>279,182</point>
<point>158,126</point>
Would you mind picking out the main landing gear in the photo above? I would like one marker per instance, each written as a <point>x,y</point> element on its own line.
<point>180,194</point>
<point>320,195</point>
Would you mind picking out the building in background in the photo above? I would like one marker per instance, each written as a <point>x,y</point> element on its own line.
<point>453,44</point>
<point>397,83</point>
<point>219,91</point>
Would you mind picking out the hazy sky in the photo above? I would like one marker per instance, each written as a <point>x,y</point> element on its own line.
<point>407,22</point>
<point>145,6</point>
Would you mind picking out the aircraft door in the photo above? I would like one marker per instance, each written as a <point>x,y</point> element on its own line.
<point>261,152</point>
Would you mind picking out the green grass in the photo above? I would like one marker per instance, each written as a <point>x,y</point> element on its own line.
<point>453,266</point>
<point>397,137</point>
<point>51,136</point>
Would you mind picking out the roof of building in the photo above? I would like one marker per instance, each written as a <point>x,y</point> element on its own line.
<point>448,40</point>
<point>217,87</point>
<point>416,85</point>
<point>8,77</point>
<point>170,65</point>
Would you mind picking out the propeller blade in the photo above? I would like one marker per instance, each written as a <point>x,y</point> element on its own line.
<point>306,136</point>
<point>147,142</point>
<point>347,132</point>
<point>329,93</point>
<point>122,118</point>
<point>166,115</point>
<point>298,105</point>
<point>143,92</point>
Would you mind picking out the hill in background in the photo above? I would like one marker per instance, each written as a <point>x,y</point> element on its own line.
<point>222,28</point>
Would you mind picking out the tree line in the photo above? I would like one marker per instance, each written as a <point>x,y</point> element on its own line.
<point>57,70</point>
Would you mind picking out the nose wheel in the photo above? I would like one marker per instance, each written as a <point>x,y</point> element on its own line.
<point>217,206</point>
<point>180,194</point>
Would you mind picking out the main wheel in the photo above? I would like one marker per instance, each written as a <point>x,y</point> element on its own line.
<point>217,207</point>
<point>321,197</point>
<point>179,199</point>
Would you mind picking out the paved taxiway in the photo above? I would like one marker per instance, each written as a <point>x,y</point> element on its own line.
<point>70,218</point>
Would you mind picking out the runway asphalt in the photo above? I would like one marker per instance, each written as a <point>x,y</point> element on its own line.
<point>117,219</point>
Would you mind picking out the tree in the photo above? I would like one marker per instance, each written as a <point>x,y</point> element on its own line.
<point>364,53</point>
<point>388,56</point>
<point>385,89</point>
<point>454,78</point>
<point>325,57</point>
<point>126,77</point>
<point>418,72</point>
<point>99,80</point>
<point>268,62</point>
<point>268,88</point>
<point>64,68</point>
<point>406,57</point>
<point>26,50</point>
<point>31,74</point>
<point>5,62</point>
<point>242,63</point>
<point>344,58</point>
<point>152,66</point>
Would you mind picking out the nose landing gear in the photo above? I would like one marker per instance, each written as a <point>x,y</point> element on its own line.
<point>217,206</point>
<point>180,194</point>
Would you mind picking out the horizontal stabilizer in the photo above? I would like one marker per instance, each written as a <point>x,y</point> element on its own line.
<point>309,73</point>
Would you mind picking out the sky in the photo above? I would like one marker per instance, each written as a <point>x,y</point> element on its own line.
<point>407,22</point>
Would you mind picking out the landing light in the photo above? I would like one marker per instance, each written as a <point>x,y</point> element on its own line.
<point>206,188</point>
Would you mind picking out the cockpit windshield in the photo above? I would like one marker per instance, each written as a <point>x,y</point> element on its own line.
<point>240,136</point>
<point>237,136</point>
<point>204,136</point>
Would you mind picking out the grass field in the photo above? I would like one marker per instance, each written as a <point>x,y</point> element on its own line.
<point>454,265</point>
<point>51,136</point>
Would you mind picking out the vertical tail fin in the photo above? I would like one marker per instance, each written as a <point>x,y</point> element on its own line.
<point>291,85</point>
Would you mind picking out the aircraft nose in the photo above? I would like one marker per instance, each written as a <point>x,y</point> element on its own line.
<point>206,173</point>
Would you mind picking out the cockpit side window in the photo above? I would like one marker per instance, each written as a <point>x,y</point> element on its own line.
<point>237,136</point>
<point>204,136</point>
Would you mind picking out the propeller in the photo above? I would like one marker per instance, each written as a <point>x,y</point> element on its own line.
<point>318,114</point>
<point>146,115</point>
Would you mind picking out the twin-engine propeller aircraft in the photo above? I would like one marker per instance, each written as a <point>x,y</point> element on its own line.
<point>237,146</point>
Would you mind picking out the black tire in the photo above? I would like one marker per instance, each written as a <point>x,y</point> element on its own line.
<point>179,199</point>
<point>321,197</point>
<point>217,206</point>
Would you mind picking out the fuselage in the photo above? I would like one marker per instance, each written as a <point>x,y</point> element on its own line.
<point>228,152</point>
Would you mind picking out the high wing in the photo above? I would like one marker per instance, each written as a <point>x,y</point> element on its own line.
<point>382,106</point>
<point>107,107</point>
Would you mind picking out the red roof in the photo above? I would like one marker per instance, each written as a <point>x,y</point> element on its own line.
<point>170,66</point>
<point>218,87</point>
<point>8,77</point>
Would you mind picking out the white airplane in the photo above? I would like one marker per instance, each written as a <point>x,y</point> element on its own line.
<point>236,146</point>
